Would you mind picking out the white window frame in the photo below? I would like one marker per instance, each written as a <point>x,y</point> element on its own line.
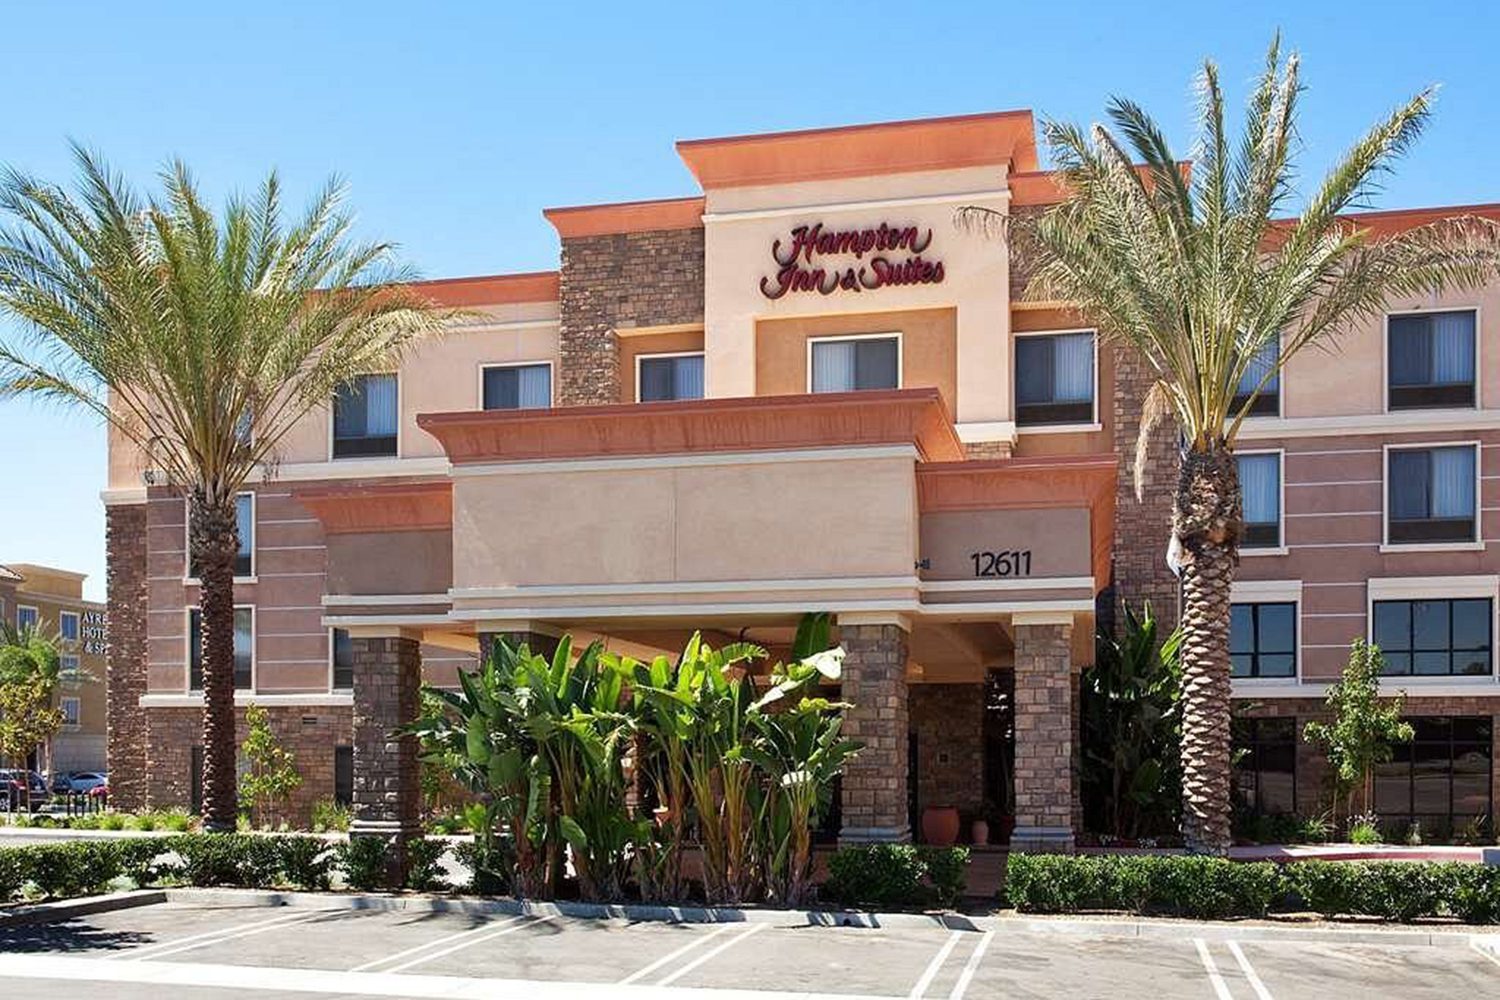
<point>77,704</point>
<point>63,616</point>
<point>485,366</point>
<point>331,688</point>
<point>1271,592</point>
<point>703,354</point>
<point>400,424</point>
<point>1094,424</point>
<point>187,541</point>
<point>187,651</point>
<point>1475,545</point>
<point>1385,358</point>
<point>36,615</point>
<point>1436,588</point>
<point>1283,548</point>
<point>842,337</point>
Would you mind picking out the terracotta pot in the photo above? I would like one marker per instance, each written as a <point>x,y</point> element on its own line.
<point>940,826</point>
<point>979,832</point>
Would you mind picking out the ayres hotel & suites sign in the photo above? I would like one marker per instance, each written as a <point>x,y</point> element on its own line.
<point>887,255</point>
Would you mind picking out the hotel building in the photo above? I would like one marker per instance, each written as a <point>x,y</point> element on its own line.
<point>808,388</point>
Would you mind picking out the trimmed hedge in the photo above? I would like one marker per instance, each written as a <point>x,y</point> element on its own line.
<point>85,867</point>
<point>1216,888</point>
<point>896,875</point>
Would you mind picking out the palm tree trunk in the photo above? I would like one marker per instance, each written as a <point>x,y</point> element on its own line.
<point>214,540</point>
<point>1206,521</point>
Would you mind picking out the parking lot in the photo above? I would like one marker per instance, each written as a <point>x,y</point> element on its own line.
<point>225,950</point>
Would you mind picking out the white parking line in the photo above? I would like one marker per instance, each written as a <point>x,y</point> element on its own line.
<point>212,937</point>
<point>697,941</point>
<point>1220,989</point>
<point>460,946</point>
<point>673,977</point>
<point>934,966</point>
<point>971,966</point>
<point>384,959</point>
<point>1249,970</point>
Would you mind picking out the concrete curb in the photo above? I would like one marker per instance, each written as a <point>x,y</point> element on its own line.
<point>1149,929</point>
<point>42,913</point>
<point>44,833</point>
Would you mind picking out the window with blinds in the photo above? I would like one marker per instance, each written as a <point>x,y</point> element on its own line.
<point>1430,360</point>
<point>364,418</point>
<point>853,364</point>
<point>1260,486</point>
<point>1430,495</point>
<point>1262,367</point>
<point>669,376</point>
<point>1055,379</point>
<point>517,387</point>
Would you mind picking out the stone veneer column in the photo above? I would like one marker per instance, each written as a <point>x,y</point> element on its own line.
<point>125,663</point>
<point>387,784</point>
<point>1046,689</point>
<point>874,806</point>
<point>1142,526</point>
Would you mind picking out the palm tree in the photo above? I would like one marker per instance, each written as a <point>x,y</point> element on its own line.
<point>1195,270</point>
<point>202,340</point>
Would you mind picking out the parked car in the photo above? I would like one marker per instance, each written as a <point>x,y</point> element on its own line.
<point>22,784</point>
<point>86,781</point>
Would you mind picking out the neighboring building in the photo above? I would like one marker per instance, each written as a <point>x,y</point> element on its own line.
<point>807,388</point>
<point>51,600</point>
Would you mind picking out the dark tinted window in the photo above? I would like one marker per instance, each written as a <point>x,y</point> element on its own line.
<point>1268,403</point>
<point>1266,767</point>
<point>1441,779</point>
<point>1430,494</point>
<point>343,775</point>
<point>1431,360</point>
<point>1055,379</point>
<point>665,379</point>
<point>518,387</point>
<point>1263,639</point>
<point>243,644</point>
<point>343,660</point>
<point>365,417</point>
<point>1434,638</point>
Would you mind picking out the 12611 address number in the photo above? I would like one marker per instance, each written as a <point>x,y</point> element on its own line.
<point>1006,562</point>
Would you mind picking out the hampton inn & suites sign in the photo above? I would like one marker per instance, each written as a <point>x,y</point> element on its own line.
<point>815,259</point>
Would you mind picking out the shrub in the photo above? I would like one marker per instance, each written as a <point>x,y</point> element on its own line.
<point>14,871</point>
<point>1327,888</point>
<point>178,820</point>
<point>76,868</point>
<point>305,862</point>
<point>1404,891</point>
<point>229,859</point>
<point>363,862</point>
<point>488,876</point>
<point>139,858</point>
<point>329,817</point>
<point>424,864</point>
<point>1364,833</point>
<point>1474,893</point>
<point>1315,829</point>
<point>876,875</point>
<point>947,870</point>
<point>1198,887</point>
<point>112,821</point>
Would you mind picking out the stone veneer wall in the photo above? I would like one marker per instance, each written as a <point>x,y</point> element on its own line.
<point>125,671</point>
<point>1142,526</point>
<point>874,681</point>
<point>310,733</point>
<point>617,281</point>
<point>948,720</point>
<point>1046,786</point>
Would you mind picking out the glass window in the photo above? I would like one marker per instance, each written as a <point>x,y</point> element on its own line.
<point>364,417</point>
<point>67,665</point>
<point>1430,494</point>
<point>1265,770</point>
<point>665,378</point>
<point>343,775</point>
<point>26,617</point>
<point>847,365</point>
<point>1441,779</point>
<point>343,660</point>
<point>1434,638</point>
<point>244,642</point>
<point>1263,639</point>
<point>1055,379</point>
<point>69,708</point>
<point>518,387</point>
<point>244,519</point>
<point>1260,486</point>
<point>1431,360</point>
<point>1268,403</point>
<point>68,626</point>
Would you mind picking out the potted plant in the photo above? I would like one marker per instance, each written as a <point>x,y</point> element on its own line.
<point>940,826</point>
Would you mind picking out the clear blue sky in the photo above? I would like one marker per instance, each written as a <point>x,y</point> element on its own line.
<point>456,123</point>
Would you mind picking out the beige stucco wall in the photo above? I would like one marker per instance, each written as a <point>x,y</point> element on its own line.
<point>651,523</point>
<point>742,223</point>
<point>1058,540</point>
<point>1349,380</point>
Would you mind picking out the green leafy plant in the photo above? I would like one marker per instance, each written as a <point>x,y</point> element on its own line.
<point>1131,727</point>
<point>1364,830</point>
<point>947,873</point>
<point>328,816</point>
<point>305,862</point>
<point>876,875</point>
<point>29,670</point>
<point>364,862</point>
<point>272,775</point>
<point>1363,727</point>
<point>424,864</point>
